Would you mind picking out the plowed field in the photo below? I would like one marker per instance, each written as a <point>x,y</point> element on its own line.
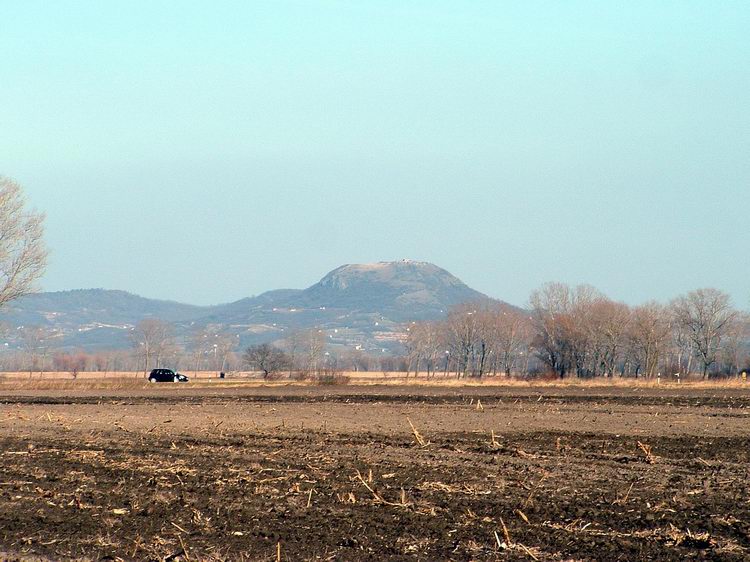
<point>375,473</point>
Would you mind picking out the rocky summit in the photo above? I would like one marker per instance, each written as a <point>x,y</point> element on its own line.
<point>401,290</point>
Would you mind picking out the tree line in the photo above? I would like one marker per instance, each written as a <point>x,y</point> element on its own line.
<point>578,331</point>
<point>154,344</point>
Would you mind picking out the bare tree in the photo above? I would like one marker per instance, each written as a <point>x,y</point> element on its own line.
<point>314,343</point>
<point>607,324</point>
<point>432,344</point>
<point>74,363</point>
<point>462,330</point>
<point>707,315</point>
<point>151,338</point>
<point>359,360</point>
<point>223,344</point>
<point>23,255</point>
<point>734,349</point>
<point>552,306</point>
<point>423,343</point>
<point>513,336</point>
<point>35,342</point>
<point>682,346</point>
<point>266,358</point>
<point>486,338</point>
<point>293,345</point>
<point>211,345</point>
<point>648,333</point>
<point>197,343</point>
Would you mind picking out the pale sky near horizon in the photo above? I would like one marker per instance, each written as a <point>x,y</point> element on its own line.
<point>208,151</point>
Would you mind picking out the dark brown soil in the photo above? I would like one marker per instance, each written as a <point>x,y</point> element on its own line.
<point>339,475</point>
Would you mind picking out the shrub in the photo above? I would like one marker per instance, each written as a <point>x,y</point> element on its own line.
<point>332,379</point>
<point>300,376</point>
<point>544,376</point>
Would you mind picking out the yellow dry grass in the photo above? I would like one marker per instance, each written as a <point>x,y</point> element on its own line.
<point>207,379</point>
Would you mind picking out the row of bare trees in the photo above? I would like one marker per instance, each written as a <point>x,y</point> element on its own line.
<point>206,348</point>
<point>213,349</point>
<point>154,344</point>
<point>579,331</point>
<point>74,361</point>
<point>475,339</point>
<point>302,354</point>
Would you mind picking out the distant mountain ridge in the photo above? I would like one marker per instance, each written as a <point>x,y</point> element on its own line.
<point>87,304</point>
<point>365,305</point>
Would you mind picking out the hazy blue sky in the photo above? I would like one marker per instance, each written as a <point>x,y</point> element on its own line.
<point>207,151</point>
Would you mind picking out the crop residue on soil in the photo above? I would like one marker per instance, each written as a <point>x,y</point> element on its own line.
<point>513,478</point>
